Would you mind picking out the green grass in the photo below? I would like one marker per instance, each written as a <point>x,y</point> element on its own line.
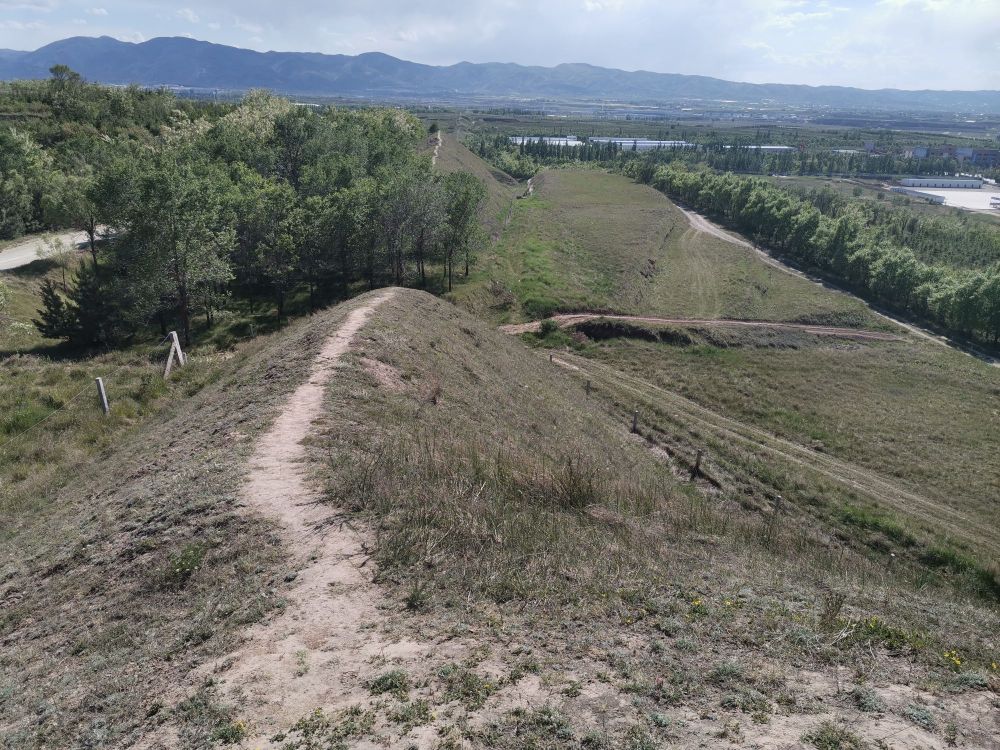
<point>913,413</point>
<point>587,240</point>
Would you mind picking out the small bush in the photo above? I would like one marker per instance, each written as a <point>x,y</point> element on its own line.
<point>867,700</point>
<point>395,681</point>
<point>828,736</point>
<point>920,716</point>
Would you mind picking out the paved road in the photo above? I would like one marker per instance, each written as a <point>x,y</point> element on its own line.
<point>26,250</point>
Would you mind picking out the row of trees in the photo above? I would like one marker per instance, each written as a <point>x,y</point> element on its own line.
<point>266,203</point>
<point>958,240</point>
<point>847,246</point>
<point>725,155</point>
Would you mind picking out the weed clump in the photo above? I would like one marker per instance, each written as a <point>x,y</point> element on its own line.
<point>867,700</point>
<point>828,736</point>
<point>395,681</point>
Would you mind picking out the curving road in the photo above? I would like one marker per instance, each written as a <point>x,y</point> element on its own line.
<point>26,250</point>
<point>701,224</point>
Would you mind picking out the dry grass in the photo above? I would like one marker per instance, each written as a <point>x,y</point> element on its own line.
<point>514,502</point>
<point>143,565</point>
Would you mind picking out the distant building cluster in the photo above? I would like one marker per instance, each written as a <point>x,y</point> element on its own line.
<point>981,157</point>
<point>570,140</point>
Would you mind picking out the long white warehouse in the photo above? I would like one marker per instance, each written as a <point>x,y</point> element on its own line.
<point>941,182</point>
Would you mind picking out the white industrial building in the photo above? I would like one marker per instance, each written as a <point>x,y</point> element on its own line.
<point>642,144</point>
<point>941,182</point>
<point>570,140</point>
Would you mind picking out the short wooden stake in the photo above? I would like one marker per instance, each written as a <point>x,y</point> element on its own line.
<point>696,469</point>
<point>177,345</point>
<point>588,387</point>
<point>175,351</point>
<point>550,358</point>
<point>103,396</point>
<point>635,421</point>
<point>170,363</point>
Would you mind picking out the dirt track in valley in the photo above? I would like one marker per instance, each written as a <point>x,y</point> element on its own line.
<point>573,319</point>
<point>701,224</point>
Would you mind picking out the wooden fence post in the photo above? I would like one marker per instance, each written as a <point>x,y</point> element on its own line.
<point>103,396</point>
<point>588,387</point>
<point>696,469</point>
<point>177,345</point>
<point>635,421</point>
<point>175,351</point>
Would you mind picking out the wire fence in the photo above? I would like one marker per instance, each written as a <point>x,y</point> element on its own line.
<point>5,445</point>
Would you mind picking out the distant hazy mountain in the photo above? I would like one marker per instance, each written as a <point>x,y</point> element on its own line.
<point>187,62</point>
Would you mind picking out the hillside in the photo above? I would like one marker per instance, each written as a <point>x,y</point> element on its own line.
<point>509,567</point>
<point>191,63</point>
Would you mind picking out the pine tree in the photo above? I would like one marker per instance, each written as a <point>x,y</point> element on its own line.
<point>57,316</point>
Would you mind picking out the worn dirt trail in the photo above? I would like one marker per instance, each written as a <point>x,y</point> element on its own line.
<point>320,649</point>
<point>437,149</point>
<point>569,320</point>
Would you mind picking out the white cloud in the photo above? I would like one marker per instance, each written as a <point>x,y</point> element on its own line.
<point>20,25</point>
<point>869,43</point>
<point>250,28</point>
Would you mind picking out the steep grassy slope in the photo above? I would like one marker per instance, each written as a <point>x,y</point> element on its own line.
<point>599,594</point>
<point>575,586</point>
<point>586,240</point>
<point>500,187</point>
<point>115,583</point>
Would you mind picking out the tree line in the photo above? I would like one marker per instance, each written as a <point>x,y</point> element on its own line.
<point>845,244</point>
<point>260,203</point>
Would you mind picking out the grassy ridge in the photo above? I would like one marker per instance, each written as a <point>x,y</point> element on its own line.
<point>505,500</point>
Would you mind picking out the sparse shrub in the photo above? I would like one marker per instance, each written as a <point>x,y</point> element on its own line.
<point>726,673</point>
<point>547,328</point>
<point>395,681</point>
<point>572,690</point>
<point>231,733</point>
<point>867,700</point>
<point>182,566</point>
<point>318,731</point>
<point>967,681</point>
<point>748,701</point>
<point>637,738</point>
<point>833,602</point>
<point>412,714</point>
<point>920,716</point>
<point>461,683</point>
<point>828,736</point>
<point>418,596</point>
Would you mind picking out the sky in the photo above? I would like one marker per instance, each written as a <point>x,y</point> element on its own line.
<point>910,44</point>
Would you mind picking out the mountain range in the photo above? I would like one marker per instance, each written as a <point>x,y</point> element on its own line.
<point>180,61</point>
